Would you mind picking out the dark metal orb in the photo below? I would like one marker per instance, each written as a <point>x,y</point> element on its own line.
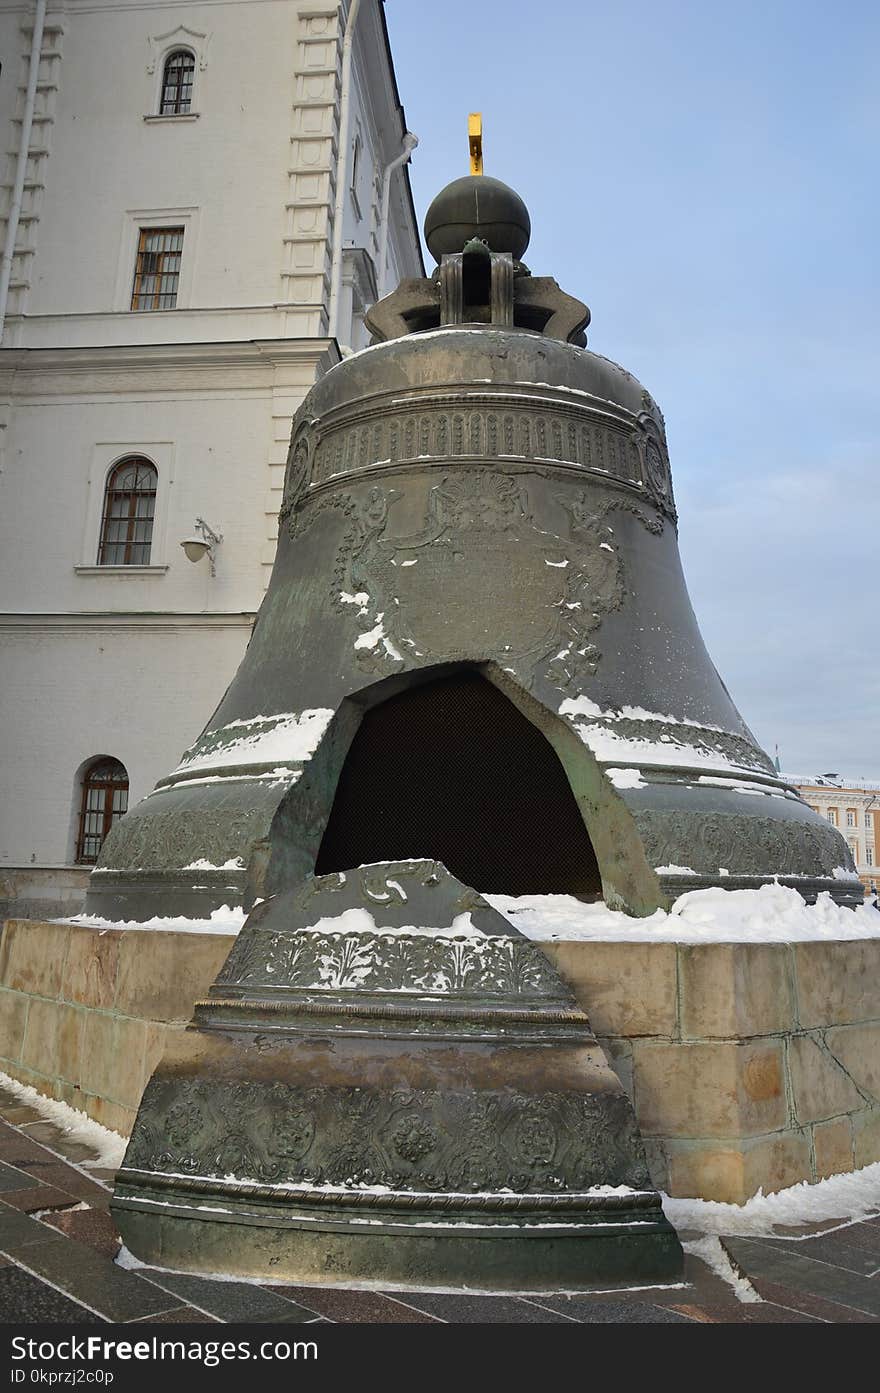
<point>477,206</point>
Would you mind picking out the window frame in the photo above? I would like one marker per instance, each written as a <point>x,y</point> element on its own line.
<point>131,518</point>
<point>108,813</point>
<point>159,274</point>
<point>135,221</point>
<point>179,51</point>
<point>104,456</point>
<point>357,146</point>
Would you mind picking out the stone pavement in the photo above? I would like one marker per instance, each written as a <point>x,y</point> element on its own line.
<point>58,1244</point>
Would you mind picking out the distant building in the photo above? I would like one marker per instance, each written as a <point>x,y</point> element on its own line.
<point>853,807</point>
<point>180,275</point>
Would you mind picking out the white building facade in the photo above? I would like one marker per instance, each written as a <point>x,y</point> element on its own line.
<point>853,807</point>
<point>174,272</point>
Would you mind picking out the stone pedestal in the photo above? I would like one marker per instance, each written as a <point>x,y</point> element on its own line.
<point>750,1065</point>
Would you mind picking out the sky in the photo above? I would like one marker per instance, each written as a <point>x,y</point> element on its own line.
<point>706,177</point>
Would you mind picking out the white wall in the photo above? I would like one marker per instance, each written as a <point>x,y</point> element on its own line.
<point>211,452</point>
<point>68,695</point>
<point>229,163</point>
<point>132,664</point>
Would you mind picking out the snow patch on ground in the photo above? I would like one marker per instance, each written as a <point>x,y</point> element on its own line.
<point>710,1251</point>
<point>109,1147</point>
<point>286,737</point>
<point>849,1197</point>
<point>224,920</point>
<point>772,914</point>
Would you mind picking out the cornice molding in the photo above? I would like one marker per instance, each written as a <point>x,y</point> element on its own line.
<point>125,619</point>
<point>237,353</point>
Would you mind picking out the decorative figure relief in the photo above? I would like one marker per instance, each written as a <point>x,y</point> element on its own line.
<point>656,473</point>
<point>407,1139</point>
<point>743,845</point>
<point>298,475</point>
<point>425,964</point>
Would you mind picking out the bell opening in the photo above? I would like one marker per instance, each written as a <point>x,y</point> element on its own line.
<point>451,770</point>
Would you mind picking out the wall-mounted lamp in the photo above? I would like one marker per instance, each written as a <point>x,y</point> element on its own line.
<point>202,544</point>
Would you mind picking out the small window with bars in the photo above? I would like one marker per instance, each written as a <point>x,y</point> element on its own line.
<point>129,509</point>
<point>177,83</point>
<point>157,270</point>
<point>103,802</point>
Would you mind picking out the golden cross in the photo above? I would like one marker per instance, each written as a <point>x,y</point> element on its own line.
<point>475,141</point>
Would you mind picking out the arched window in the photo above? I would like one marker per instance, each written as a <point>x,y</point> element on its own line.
<point>104,800</point>
<point>129,506</point>
<point>177,83</point>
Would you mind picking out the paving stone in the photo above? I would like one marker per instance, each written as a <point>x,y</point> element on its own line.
<point>19,1231</point>
<point>472,1309</point>
<point>599,1310</point>
<point>815,1306</point>
<point>862,1235</point>
<point>181,1315</point>
<point>17,1113</point>
<point>17,1149</point>
<point>759,1259</point>
<point>103,1175</point>
<point>746,1313</point>
<point>803,1230</point>
<point>55,1172</point>
<point>87,1277</point>
<point>25,1299</point>
<point>54,1138</point>
<point>94,1227</point>
<point>39,1197</point>
<point>11,1178</point>
<point>347,1306</point>
<point>231,1301</point>
<point>834,1249</point>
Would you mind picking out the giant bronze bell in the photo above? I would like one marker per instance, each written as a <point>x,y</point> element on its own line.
<point>476,666</point>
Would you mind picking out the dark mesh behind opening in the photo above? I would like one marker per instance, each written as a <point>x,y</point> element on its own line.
<point>453,770</point>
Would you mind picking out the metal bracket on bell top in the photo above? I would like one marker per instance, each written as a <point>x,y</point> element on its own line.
<point>464,285</point>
